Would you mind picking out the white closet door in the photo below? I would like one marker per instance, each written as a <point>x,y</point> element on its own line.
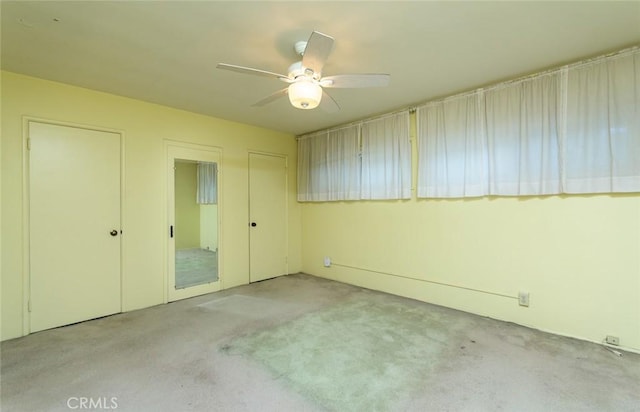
<point>267,216</point>
<point>75,233</point>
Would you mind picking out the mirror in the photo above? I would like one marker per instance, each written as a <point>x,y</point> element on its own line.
<point>196,223</point>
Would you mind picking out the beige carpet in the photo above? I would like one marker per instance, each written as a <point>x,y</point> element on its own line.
<point>299,343</point>
<point>195,267</point>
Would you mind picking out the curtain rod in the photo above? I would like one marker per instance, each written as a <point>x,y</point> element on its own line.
<point>358,122</point>
<point>548,72</point>
<point>414,107</point>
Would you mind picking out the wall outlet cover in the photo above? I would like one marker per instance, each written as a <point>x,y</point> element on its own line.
<point>523,299</point>
<point>327,261</point>
<point>612,340</point>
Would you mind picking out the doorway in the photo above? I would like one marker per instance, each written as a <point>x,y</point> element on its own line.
<point>268,240</point>
<point>193,221</point>
<point>74,215</point>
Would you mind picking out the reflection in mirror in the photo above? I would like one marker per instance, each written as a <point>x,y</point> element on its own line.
<point>196,224</point>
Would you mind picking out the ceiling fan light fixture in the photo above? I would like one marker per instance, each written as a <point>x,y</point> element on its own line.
<point>305,94</point>
<point>305,79</point>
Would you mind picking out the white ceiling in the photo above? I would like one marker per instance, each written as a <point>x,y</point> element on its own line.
<point>166,52</point>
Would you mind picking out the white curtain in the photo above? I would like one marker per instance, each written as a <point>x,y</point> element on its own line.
<point>523,137</point>
<point>573,130</point>
<point>343,164</point>
<point>369,160</point>
<point>312,180</point>
<point>207,184</point>
<point>452,157</point>
<point>602,148</point>
<point>386,158</point>
<point>329,165</point>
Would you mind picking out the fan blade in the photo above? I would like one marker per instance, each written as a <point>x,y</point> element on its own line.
<point>355,80</point>
<point>318,48</point>
<point>248,70</point>
<point>272,97</point>
<point>328,104</point>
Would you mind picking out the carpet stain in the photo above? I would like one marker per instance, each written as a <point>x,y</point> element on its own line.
<point>330,356</point>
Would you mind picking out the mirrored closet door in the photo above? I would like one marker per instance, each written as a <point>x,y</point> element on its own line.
<point>193,229</point>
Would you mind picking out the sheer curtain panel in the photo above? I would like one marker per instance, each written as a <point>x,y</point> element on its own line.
<point>523,137</point>
<point>452,155</point>
<point>572,130</point>
<point>207,184</point>
<point>602,149</point>
<point>343,164</point>
<point>329,165</point>
<point>386,158</point>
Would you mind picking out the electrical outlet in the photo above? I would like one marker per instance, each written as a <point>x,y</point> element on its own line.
<point>523,299</point>
<point>327,261</point>
<point>612,340</point>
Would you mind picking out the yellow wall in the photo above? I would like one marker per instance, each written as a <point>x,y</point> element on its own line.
<point>187,229</point>
<point>145,127</point>
<point>209,227</point>
<point>577,256</point>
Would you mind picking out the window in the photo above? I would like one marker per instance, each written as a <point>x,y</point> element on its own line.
<point>573,130</point>
<point>369,160</point>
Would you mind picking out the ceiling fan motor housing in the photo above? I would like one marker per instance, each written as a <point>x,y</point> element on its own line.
<point>297,69</point>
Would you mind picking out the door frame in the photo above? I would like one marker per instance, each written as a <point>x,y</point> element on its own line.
<point>189,151</point>
<point>26,208</point>
<point>286,189</point>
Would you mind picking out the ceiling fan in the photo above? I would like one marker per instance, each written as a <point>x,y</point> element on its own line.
<point>305,79</point>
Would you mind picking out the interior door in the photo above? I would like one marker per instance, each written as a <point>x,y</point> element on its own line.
<point>74,224</point>
<point>193,252</point>
<point>267,216</point>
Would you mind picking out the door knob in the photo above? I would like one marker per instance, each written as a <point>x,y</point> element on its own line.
<point>254,224</point>
<point>114,232</point>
